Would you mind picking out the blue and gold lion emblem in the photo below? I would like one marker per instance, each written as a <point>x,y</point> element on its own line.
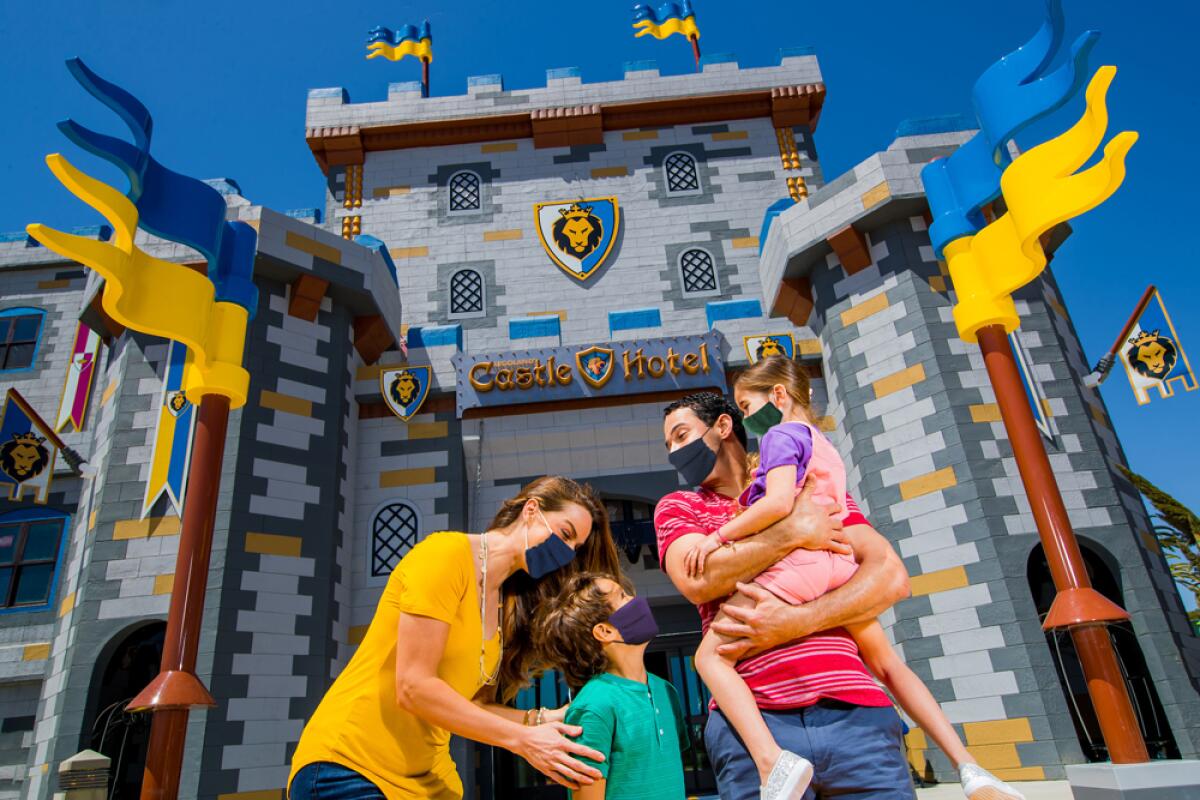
<point>578,235</point>
<point>177,403</point>
<point>404,389</point>
<point>595,365</point>
<point>1152,355</point>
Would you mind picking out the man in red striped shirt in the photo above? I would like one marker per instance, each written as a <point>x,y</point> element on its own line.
<point>804,669</point>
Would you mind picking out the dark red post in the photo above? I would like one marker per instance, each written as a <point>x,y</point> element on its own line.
<point>1077,606</point>
<point>177,689</point>
<point>695,40</point>
<point>424,77</point>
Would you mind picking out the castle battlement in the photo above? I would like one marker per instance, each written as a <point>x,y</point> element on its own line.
<point>791,90</point>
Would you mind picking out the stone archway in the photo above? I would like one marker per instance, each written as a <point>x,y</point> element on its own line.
<point>1152,719</point>
<point>125,666</point>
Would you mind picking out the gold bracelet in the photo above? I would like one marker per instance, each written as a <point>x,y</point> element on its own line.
<point>541,716</point>
<point>527,713</point>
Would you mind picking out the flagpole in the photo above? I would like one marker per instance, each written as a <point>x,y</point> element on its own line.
<point>1077,607</point>
<point>695,40</point>
<point>1105,364</point>
<point>177,688</point>
<point>424,77</point>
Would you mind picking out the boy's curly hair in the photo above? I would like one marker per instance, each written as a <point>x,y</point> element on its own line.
<point>563,634</point>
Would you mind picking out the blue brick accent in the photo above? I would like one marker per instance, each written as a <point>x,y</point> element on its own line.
<point>732,309</point>
<point>634,318</point>
<point>379,247</point>
<point>533,327</point>
<point>315,214</point>
<point>773,211</point>
<point>495,79</point>
<point>335,91</point>
<point>563,72</point>
<point>435,336</point>
<point>717,58</point>
<point>404,88</point>
<point>225,186</point>
<point>946,123</point>
<point>792,52</point>
<point>641,66</point>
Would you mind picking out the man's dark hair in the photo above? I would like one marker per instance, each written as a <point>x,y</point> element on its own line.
<point>708,406</point>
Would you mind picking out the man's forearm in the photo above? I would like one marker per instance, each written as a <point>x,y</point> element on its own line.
<point>879,583</point>
<point>727,565</point>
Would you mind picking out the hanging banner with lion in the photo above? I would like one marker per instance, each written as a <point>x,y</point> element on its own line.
<point>1153,356</point>
<point>405,389</point>
<point>28,449</point>
<point>578,235</point>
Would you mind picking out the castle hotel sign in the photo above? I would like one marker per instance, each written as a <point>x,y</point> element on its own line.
<point>598,370</point>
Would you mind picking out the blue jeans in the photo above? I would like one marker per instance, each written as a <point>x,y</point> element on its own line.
<point>326,781</point>
<point>856,752</point>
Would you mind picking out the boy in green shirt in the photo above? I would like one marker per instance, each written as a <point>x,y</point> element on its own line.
<point>595,633</point>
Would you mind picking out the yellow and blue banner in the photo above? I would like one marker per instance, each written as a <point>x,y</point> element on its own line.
<point>172,437</point>
<point>1153,356</point>
<point>407,40</point>
<point>27,450</point>
<point>668,19</point>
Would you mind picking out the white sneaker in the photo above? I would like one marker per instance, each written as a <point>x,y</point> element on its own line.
<point>790,776</point>
<point>979,784</point>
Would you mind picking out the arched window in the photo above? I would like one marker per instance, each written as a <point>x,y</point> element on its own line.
<point>394,531</point>
<point>466,293</point>
<point>464,192</point>
<point>20,331</point>
<point>682,176</point>
<point>698,271</point>
<point>31,541</point>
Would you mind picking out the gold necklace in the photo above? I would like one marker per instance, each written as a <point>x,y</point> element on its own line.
<point>486,679</point>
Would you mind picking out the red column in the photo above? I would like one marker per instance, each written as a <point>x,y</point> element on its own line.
<point>177,689</point>
<point>1077,606</point>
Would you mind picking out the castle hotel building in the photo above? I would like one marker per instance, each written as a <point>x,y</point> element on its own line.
<point>554,265</point>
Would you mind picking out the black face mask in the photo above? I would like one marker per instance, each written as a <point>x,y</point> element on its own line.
<point>694,461</point>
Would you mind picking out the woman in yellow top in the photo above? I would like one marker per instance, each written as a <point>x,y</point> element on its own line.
<point>453,624</point>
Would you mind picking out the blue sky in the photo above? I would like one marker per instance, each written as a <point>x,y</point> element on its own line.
<point>226,83</point>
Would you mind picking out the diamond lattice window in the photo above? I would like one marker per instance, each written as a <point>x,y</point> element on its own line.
<point>466,292</point>
<point>699,274</point>
<point>393,534</point>
<point>464,192</point>
<point>681,173</point>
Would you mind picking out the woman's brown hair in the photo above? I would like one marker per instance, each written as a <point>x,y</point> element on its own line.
<point>563,633</point>
<point>778,370</point>
<point>523,596</point>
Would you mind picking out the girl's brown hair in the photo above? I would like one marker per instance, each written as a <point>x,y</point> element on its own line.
<point>564,629</point>
<point>523,596</point>
<point>767,372</point>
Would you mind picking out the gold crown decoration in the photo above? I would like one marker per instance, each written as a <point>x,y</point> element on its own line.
<point>30,438</point>
<point>1144,338</point>
<point>576,211</point>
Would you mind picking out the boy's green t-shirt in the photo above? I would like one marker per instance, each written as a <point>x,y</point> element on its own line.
<point>640,730</point>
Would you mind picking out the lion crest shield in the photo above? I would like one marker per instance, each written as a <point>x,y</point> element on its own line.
<point>405,389</point>
<point>771,344</point>
<point>578,235</point>
<point>595,365</point>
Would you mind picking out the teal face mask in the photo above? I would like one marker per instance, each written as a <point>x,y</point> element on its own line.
<point>763,420</point>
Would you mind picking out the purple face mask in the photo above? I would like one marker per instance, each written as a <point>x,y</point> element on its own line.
<point>635,622</point>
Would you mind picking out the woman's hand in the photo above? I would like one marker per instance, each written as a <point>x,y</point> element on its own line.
<point>696,557</point>
<point>549,751</point>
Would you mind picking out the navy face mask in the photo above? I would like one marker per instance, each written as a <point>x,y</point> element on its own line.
<point>694,461</point>
<point>635,622</point>
<point>546,557</point>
